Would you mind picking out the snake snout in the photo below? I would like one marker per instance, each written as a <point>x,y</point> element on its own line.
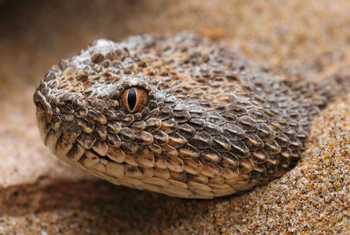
<point>42,103</point>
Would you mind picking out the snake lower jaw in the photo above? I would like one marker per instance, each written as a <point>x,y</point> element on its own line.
<point>126,171</point>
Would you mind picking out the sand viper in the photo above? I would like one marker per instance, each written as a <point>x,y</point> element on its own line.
<point>178,115</point>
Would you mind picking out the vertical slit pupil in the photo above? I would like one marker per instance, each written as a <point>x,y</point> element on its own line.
<point>132,99</point>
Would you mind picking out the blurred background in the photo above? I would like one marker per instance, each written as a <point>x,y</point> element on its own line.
<point>40,196</point>
<point>35,34</point>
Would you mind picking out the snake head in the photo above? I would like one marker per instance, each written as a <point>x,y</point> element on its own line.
<point>104,112</point>
<point>177,115</point>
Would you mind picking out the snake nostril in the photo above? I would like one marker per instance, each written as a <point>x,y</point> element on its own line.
<point>41,102</point>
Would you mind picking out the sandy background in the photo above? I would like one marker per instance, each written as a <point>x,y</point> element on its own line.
<point>38,195</point>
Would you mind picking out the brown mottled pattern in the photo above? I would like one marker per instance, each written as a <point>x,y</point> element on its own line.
<point>213,124</point>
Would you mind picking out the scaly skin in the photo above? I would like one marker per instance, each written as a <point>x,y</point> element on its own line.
<point>209,124</point>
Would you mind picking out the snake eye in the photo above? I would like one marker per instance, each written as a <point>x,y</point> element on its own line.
<point>134,99</point>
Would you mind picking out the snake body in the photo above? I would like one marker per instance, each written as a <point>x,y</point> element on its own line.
<point>178,115</point>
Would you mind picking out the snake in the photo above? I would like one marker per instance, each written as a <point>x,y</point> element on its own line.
<point>180,115</point>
